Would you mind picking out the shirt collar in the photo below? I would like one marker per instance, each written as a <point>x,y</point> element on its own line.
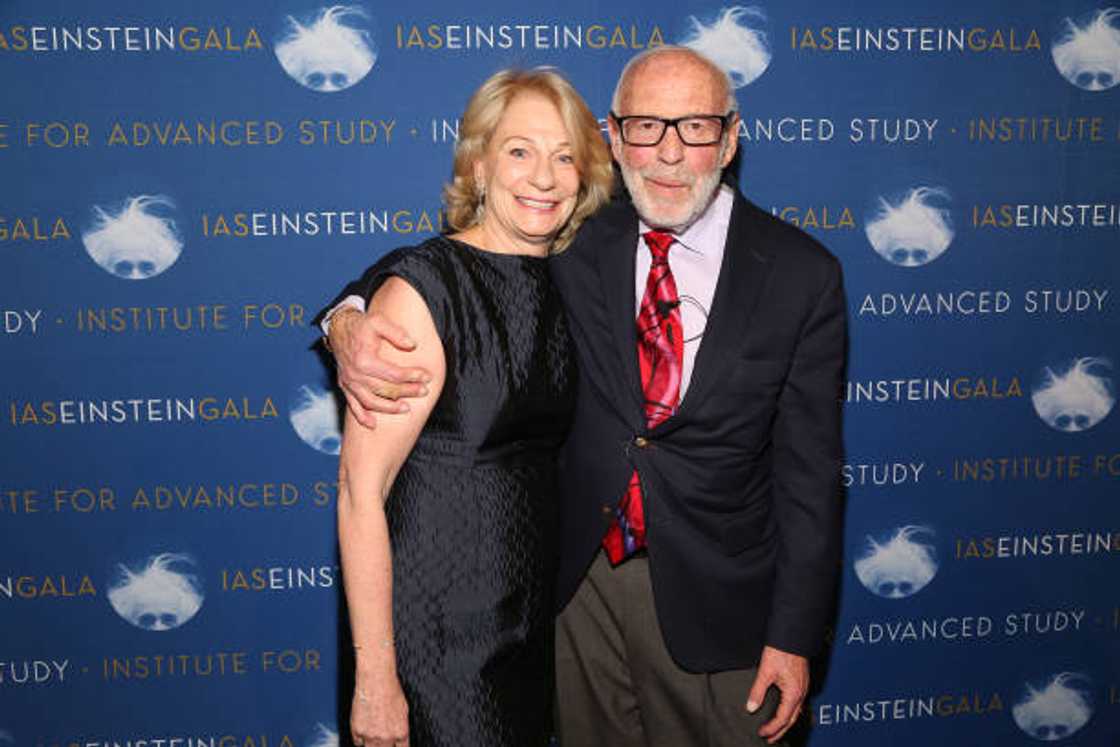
<point>708,232</point>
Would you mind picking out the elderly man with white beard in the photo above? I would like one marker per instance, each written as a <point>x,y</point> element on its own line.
<point>700,523</point>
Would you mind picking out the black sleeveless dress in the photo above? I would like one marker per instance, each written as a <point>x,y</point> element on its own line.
<point>472,514</point>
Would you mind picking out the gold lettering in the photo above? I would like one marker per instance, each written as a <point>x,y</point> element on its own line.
<point>596,36</point>
<point>828,39</point>
<point>182,135</point>
<point>117,136</point>
<point>25,587</point>
<point>188,38</point>
<point>60,231</point>
<point>140,500</point>
<point>436,40</point>
<point>47,589</point>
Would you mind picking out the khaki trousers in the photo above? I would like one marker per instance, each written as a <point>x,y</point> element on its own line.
<point>617,685</point>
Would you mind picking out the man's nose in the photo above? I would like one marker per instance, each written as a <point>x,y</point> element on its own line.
<point>670,149</point>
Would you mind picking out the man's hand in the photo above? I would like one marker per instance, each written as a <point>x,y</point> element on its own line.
<point>790,674</point>
<point>372,385</point>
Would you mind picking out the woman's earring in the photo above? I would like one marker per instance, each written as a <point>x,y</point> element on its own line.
<point>480,206</point>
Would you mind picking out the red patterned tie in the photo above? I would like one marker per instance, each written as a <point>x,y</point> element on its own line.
<point>660,359</point>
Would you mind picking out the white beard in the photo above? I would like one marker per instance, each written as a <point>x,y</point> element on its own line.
<point>678,218</point>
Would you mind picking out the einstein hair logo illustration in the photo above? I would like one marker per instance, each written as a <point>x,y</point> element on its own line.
<point>159,594</point>
<point>911,231</point>
<point>326,51</point>
<point>315,417</point>
<point>1056,710</point>
<point>1074,397</point>
<point>733,42</point>
<point>137,241</point>
<point>897,567</point>
<point>324,737</point>
<point>1088,54</point>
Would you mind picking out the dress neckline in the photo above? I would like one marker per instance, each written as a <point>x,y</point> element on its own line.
<point>490,253</point>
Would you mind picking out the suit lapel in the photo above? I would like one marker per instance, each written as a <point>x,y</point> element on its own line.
<point>743,272</point>
<point>616,249</point>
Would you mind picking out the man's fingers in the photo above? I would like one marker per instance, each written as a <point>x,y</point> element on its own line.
<point>369,365</point>
<point>392,333</point>
<point>378,368</point>
<point>361,414</point>
<point>380,396</point>
<point>773,729</point>
<point>392,382</point>
<point>762,682</point>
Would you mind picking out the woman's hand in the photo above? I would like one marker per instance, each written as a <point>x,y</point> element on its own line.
<point>379,715</point>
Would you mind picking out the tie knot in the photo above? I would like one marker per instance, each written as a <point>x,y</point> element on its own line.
<point>658,243</point>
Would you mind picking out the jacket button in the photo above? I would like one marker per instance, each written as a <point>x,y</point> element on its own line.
<point>608,511</point>
<point>641,442</point>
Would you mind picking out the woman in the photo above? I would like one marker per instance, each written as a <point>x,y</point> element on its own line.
<point>446,512</point>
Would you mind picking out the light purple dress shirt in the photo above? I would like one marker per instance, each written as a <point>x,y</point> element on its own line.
<point>695,258</point>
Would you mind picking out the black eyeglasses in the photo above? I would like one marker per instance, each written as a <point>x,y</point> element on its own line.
<point>696,129</point>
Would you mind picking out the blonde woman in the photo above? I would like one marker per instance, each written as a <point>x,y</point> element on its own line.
<point>447,511</point>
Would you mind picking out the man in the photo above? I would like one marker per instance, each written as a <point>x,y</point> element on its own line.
<point>700,525</point>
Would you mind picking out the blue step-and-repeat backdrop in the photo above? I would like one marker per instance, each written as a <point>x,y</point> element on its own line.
<point>183,185</point>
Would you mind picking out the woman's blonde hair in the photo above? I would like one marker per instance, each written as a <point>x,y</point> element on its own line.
<point>462,197</point>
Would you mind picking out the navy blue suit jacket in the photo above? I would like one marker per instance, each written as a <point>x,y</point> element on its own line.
<point>741,486</point>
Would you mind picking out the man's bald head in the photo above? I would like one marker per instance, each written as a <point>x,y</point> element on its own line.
<point>705,71</point>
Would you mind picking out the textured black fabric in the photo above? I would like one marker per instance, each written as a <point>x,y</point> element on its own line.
<point>472,513</point>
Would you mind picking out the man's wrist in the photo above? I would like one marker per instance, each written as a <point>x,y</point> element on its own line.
<point>340,319</point>
<point>356,303</point>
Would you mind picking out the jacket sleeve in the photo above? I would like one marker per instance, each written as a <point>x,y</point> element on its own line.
<point>806,480</point>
